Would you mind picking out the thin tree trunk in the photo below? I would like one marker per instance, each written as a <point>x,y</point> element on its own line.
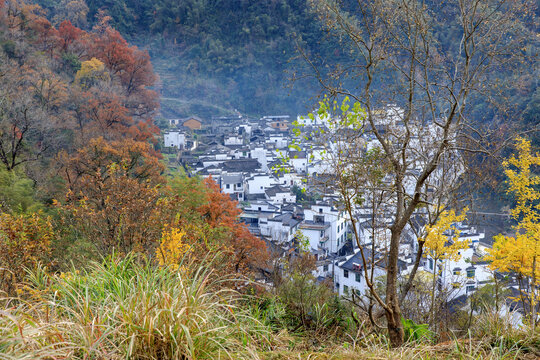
<point>434,283</point>
<point>533,295</point>
<point>393,311</point>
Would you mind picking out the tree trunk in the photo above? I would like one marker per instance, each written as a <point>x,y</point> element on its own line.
<point>433,288</point>
<point>393,313</point>
<point>533,295</point>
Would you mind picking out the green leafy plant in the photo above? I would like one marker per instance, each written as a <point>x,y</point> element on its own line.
<point>416,332</point>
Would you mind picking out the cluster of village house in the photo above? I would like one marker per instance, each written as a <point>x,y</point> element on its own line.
<point>243,156</point>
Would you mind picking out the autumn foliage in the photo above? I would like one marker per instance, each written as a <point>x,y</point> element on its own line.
<point>113,194</point>
<point>25,241</point>
<point>521,253</point>
<point>208,221</point>
<point>221,212</point>
<point>77,117</point>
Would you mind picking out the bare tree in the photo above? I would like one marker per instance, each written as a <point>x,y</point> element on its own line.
<point>396,56</point>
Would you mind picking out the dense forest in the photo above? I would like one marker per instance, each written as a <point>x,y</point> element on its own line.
<point>220,56</point>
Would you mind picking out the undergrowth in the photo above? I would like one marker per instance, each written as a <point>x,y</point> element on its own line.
<point>131,309</point>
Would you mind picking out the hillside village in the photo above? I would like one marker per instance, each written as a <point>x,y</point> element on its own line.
<point>281,185</point>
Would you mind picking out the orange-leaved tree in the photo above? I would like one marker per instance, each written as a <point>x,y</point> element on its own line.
<point>220,211</point>
<point>114,192</point>
<point>209,219</point>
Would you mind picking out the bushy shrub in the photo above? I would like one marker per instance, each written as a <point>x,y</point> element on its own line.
<point>25,241</point>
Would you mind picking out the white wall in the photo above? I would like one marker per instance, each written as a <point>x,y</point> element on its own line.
<point>257,184</point>
<point>259,153</point>
<point>351,282</point>
<point>280,142</point>
<point>174,139</point>
<point>282,198</point>
<point>233,140</point>
<point>338,225</point>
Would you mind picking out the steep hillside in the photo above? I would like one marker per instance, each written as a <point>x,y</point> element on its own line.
<point>215,57</point>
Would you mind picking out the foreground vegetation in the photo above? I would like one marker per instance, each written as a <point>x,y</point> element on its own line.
<point>130,308</point>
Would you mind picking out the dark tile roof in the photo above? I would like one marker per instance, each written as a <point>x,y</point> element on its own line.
<point>276,189</point>
<point>241,165</point>
<point>310,224</point>
<point>287,219</point>
<point>380,261</point>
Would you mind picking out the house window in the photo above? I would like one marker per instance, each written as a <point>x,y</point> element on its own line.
<point>357,277</point>
<point>456,271</point>
<point>456,285</point>
<point>259,208</point>
<point>239,185</point>
<point>318,219</point>
<point>345,289</point>
<point>320,211</point>
<point>325,267</point>
<point>470,273</point>
<point>322,233</point>
<point>346,273</point>
<point>431,264</point>
<point>470,288</point>
<point>228,186</point>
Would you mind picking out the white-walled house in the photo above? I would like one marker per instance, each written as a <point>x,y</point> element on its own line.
<point>289,179</point>
<point>259,153</point>
<point>261,205</point>
<point>280,195</point>
<point>280,228</point>
<point>278,140</point>
<point>318,233</point>
<point>299,161</point>
<point>316,120</point>
<point>349,275</point>
<point>175,139</point>
<point>232,184</point>
<point>233,140</point>
<point>466,274</point>
<point>255,213</point>
<point>323,213</point>
<point>258,183</point>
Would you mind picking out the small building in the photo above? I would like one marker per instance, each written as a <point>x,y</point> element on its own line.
<point>233,185</point>
<point>175,139</point>
<point>193,122</point>
<point>280,195</point>
<point>281,228</point>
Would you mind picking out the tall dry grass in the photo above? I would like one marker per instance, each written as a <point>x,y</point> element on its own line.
<point>130,309</point>
<point>124,308</point>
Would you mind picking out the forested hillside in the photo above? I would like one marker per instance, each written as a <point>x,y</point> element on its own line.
<point>213,56</point>
<point>217,56</point>
<point>79,170</point>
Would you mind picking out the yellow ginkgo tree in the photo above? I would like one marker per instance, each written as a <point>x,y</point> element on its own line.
<point>442,242</point>
<point>91,71</point>
<point>520,253</point>
<point>172,249</point>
